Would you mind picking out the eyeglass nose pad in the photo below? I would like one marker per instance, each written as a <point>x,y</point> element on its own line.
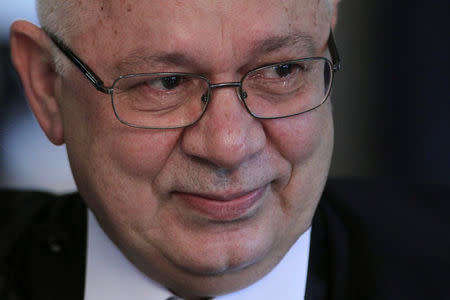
<point>205,98</point>
<point>242,94</point>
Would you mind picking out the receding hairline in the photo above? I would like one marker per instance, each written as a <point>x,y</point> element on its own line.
<point>69,18</point>
<point>64,18</point>
<point>60,17</point>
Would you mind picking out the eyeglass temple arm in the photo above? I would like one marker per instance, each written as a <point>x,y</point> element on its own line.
<point>90,75</point>
<point>336,59</point>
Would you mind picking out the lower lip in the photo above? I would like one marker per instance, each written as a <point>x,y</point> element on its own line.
<point>224,210</point>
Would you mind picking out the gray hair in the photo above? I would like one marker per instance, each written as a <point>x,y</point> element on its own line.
<point>57,16</point>
<point>61,19</point>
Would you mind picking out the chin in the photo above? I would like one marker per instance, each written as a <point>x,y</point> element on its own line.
<point>225,270</point>
<point>221,254</point>
<point>223,263</point>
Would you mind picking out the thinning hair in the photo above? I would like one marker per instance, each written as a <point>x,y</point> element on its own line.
<point>64,19</point>
<point>59,17</point>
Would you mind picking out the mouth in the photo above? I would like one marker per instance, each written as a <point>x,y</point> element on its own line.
<point>224,207</point>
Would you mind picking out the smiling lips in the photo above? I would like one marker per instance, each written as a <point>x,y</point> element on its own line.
<point>223,208</point>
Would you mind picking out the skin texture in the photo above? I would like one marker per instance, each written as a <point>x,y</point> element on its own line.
<point>137,181</point>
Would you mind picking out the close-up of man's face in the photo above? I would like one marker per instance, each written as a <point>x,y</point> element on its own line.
<point>212,207</point>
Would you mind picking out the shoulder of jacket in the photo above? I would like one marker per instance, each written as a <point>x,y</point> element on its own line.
<point>38,228</point>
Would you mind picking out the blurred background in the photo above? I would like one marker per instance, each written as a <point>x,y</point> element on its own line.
<point>391,100</point>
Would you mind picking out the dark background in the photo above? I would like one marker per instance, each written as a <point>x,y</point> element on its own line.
<point>391,102</point>
<point>392,109</point>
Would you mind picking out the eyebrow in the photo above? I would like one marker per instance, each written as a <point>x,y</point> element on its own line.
<point>267,45</point>
<point>136,58</point>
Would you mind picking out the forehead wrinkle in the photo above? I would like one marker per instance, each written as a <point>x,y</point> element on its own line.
<point>138,58</point>
<point>290,40</point>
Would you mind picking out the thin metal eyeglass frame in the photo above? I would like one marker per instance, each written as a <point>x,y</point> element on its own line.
<point>98,83</point>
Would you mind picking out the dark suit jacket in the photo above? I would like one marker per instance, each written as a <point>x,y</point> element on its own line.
<point>369,241</point>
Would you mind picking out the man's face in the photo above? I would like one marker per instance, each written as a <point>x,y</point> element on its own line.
<point>213,207</point>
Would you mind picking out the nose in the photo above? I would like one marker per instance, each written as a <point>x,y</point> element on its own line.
<point>227,135</point>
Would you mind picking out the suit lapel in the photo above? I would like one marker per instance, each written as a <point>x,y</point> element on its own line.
<point>328,269</point>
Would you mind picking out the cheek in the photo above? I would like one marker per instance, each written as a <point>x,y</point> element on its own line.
<point>306,143</point>
<point>112,162</point>
<point>94,133</point>
<point>143,153</point>
<point>300,138</point>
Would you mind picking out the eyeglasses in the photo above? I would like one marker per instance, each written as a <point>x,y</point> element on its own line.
<point>175,100</point>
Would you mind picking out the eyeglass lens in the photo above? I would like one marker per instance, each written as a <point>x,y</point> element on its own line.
<point>171,100</point>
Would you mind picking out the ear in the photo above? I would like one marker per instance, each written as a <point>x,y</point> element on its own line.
<point>334,11</point>
<point>31,56</point>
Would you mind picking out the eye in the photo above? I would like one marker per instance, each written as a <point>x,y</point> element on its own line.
<point>170,82</point>
<point>281,71</point>
<point>284,70</point>
<point>165,83</point>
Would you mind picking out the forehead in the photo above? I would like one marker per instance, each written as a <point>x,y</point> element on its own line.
<point>219,12</point>
<point>223,28</point>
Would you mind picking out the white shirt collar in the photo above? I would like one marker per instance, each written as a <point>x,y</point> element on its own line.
<point>109,274</point>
